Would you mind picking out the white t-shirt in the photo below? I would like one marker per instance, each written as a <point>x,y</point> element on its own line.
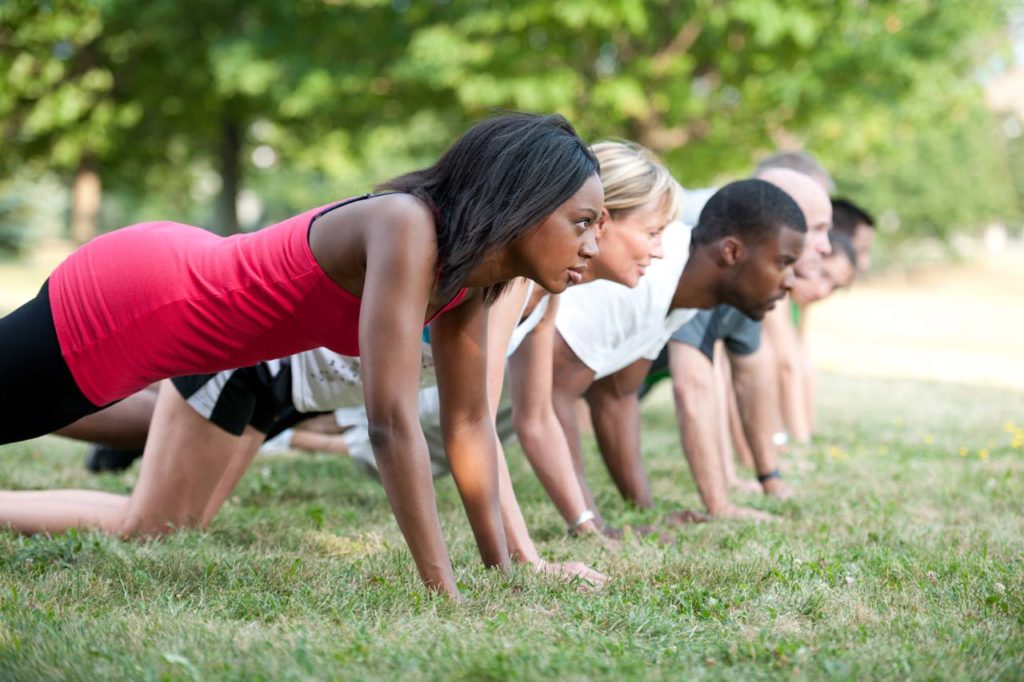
<point>523,329</point>
<point>323,380</point>
<point>610,326</point>
<point>693,203</point>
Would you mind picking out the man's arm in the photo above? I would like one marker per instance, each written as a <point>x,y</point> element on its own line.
<point>810,377</point>
<point>753,381</point>
<point>778,330</point>
<point>693,385</point>
<point>615,412</point>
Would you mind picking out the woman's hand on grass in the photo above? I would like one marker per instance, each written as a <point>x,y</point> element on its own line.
<point>587,578</point>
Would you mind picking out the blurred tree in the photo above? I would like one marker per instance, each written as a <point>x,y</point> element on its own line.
<point>55,110</point>
<point>713,85</point>
<point>178,102</point>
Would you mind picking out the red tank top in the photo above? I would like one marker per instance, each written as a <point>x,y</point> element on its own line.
<point>161,299</point>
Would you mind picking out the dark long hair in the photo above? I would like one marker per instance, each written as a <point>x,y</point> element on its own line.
<point>498,180</point>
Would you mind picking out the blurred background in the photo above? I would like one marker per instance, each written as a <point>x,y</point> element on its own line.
<point>232,115</point>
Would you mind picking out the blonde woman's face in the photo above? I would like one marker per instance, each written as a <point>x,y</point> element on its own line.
<point>628,244</point>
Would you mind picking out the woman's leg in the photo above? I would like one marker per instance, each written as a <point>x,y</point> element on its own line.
<point>189,467</point>
<point>55,511</point>
<point>124,425</point>
<point>185,460</point>
<point>248,445</point>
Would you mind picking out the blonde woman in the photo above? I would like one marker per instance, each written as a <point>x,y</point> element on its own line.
<point>641,198</point>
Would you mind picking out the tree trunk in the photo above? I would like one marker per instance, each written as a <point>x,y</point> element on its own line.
<point>230,176</point>
<point>86,191</point>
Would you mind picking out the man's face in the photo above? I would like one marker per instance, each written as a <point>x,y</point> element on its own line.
<point>836,272</point>
<point>863,242</point>
<point>813,201</point>
<point>765,274</point>
<point>817,210</point>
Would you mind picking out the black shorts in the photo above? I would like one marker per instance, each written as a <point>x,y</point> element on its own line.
<point>259,396</point>
<point>38,394</point>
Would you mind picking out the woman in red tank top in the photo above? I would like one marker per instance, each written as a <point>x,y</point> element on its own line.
<point>517,195</point>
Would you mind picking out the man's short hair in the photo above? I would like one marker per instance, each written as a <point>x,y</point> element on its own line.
<point>753,210</point>
<point>799,161</point>
<point>847,216</point>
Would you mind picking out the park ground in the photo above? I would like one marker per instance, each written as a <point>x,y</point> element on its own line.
<point>901,557</point>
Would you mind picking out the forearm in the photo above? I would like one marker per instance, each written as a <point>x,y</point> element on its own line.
<point>404,468</point>
<point>696,415</point>
<point>545,446</point>
<point>520,545</point>
<point>564,405</point>
<point>616,420</point>
<point>473,457</point>
<point>810,388</point>
<point>752,381</point>
<point>791,389</point>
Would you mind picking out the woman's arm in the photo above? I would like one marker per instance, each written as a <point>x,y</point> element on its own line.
<point>398,281</point>
<point>540,434</point>
<point>459,342</point>
<point>502,318</point>
<point>615,412</point>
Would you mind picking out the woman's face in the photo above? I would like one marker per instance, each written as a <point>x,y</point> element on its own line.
<point>629,243</point>
<point>559,251</point>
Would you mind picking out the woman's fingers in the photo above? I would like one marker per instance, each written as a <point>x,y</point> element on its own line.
<point>589,578</point>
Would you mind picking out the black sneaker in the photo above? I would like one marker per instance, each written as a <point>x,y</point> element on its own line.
<point>100,458</point>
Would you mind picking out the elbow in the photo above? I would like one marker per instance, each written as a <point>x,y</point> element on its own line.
<point>531,423</point>
<point>694,389</point>
<point>786,365</point>
<point>391,436</point>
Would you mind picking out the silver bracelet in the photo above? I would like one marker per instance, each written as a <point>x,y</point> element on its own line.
<point>585,515</point>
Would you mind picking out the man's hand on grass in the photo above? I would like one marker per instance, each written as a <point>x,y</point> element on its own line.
<point>744,485</point>
<point>776,487</point>
<point>735,511</point>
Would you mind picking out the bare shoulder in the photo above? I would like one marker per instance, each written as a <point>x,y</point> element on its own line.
<point>395,232</point>
<point>407,219</point>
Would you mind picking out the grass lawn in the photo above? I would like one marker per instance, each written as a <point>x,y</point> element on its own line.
<point>903,556</point>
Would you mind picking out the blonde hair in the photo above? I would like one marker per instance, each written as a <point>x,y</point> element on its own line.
<point>633,176</point>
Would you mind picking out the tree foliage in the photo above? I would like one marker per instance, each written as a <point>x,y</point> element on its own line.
<point>174,98</point>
